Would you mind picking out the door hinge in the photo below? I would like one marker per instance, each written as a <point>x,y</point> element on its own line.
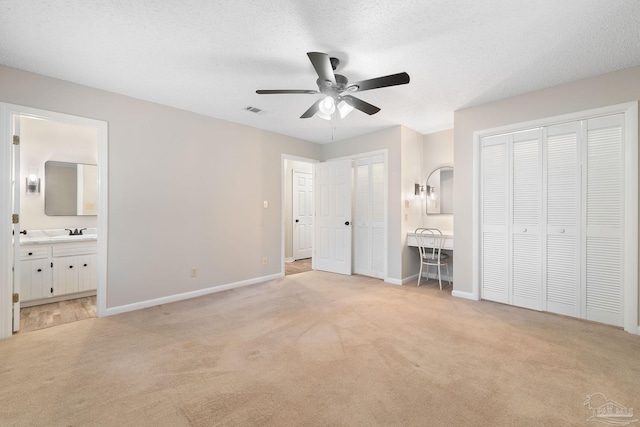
<point>15,218</point>
<point>16,139</point>
<point>16,298</point>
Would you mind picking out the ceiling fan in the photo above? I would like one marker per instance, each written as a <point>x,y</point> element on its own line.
<point>337,89</point>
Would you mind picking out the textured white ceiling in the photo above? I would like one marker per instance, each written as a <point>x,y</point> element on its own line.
<point>209,56</point>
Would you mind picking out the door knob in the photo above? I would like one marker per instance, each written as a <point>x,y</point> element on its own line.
<point>346,223</point>
<point>297,220</point>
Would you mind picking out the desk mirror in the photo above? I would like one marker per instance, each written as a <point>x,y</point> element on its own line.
<point>70,189</point>
<point>439,191</point>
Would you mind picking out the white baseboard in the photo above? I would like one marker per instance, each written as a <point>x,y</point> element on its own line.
<point>393,281</point>
<point>289,259</point>
<point>465,295</point>
<point>410,279</point>
<point>179,297</point>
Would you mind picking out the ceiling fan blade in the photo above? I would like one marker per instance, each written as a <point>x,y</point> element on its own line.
<point>322,64</point>
<point>359,104</point>
<point>312,110</point>
<point>391,80</point>
<point>277,91</point>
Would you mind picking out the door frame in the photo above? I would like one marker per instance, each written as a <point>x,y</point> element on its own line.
<point>630,258</point>
<point>283,163</point>
<point>7,112</point>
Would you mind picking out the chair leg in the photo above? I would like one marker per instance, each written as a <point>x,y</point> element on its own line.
<point>439,276</point>
<point>420,274</point>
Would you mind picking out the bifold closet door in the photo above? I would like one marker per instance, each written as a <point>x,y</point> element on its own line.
<point>494,211</point>
<point>526,201</point>
<point>603,206</point>
<point>562,201</point>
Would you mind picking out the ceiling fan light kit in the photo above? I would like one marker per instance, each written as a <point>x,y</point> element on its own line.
<point>333,86</point>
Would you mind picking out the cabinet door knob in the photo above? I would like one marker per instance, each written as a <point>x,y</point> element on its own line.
<point>561,230</point>
<point>30,253</point>
<point>85,265</point>
<point>39,270</point>
<point>71,266</point>
<point>346,223</point>
<point>524,229</point>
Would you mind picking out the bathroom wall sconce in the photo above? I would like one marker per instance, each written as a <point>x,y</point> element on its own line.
<point>33,182</point>
<point>419,190</point>
<point>431,191</point>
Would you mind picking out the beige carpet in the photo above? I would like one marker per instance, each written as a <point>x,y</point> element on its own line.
<point>316,349</point>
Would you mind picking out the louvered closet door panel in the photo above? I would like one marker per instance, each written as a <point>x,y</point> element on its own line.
<point>562,168</point>
<point>526,265</point>
<point>604,206</point>
<point>361,221</point>
<point>377,217</point>
<point>495,211</point>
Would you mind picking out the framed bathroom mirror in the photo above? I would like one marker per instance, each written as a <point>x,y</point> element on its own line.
<point>439,191</point>
<point>70,189</point>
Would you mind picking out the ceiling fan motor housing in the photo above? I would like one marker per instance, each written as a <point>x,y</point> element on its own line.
<point>330,89</point>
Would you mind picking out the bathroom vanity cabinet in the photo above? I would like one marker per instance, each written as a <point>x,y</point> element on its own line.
<point>57,271</point>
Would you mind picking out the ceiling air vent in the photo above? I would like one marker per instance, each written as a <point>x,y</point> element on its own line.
<point>253,109</point>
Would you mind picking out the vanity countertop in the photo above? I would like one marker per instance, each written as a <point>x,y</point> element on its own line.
<point>46,237</point>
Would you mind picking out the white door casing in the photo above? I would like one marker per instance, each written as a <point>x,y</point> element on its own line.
<point>15,187</point>
<point>302,217</point>
<point>332,219</point>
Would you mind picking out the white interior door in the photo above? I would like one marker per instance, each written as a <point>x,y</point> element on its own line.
<point>526,179</point>
<point>562,201</point>
<point>302,215</point>
<point>494,210</point>
<point>603,205</point>
<point>332,220</point>
<point>15,188</point>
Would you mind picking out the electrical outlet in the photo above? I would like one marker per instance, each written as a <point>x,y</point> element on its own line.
<point>266,204</point>
<point>194,272</point>
<point>265,261</point>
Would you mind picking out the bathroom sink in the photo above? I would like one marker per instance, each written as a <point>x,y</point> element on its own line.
<point>75,237</point>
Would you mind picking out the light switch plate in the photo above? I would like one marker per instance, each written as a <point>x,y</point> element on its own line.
<point>266,204</point>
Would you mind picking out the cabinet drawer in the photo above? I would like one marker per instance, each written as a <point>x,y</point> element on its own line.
<point>33,252</point>
<point>72,249</point>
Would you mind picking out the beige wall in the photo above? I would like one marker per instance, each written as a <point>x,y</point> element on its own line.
<point>438,151</point>
<point>185,190</point>
<point>412,212</point>
<point>608,89</point>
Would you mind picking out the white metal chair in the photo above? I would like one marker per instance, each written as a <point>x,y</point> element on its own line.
<point>430,241</point>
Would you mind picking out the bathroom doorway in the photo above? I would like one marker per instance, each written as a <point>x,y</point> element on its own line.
<point>297,178</point>
<point>50,269</point>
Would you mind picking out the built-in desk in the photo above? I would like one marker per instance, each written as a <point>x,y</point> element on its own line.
<point>447,244</point>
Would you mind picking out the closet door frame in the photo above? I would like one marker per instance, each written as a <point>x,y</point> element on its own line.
<point>630,214</point>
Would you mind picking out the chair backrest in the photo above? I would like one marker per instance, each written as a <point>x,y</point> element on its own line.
<point>430,242</point>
